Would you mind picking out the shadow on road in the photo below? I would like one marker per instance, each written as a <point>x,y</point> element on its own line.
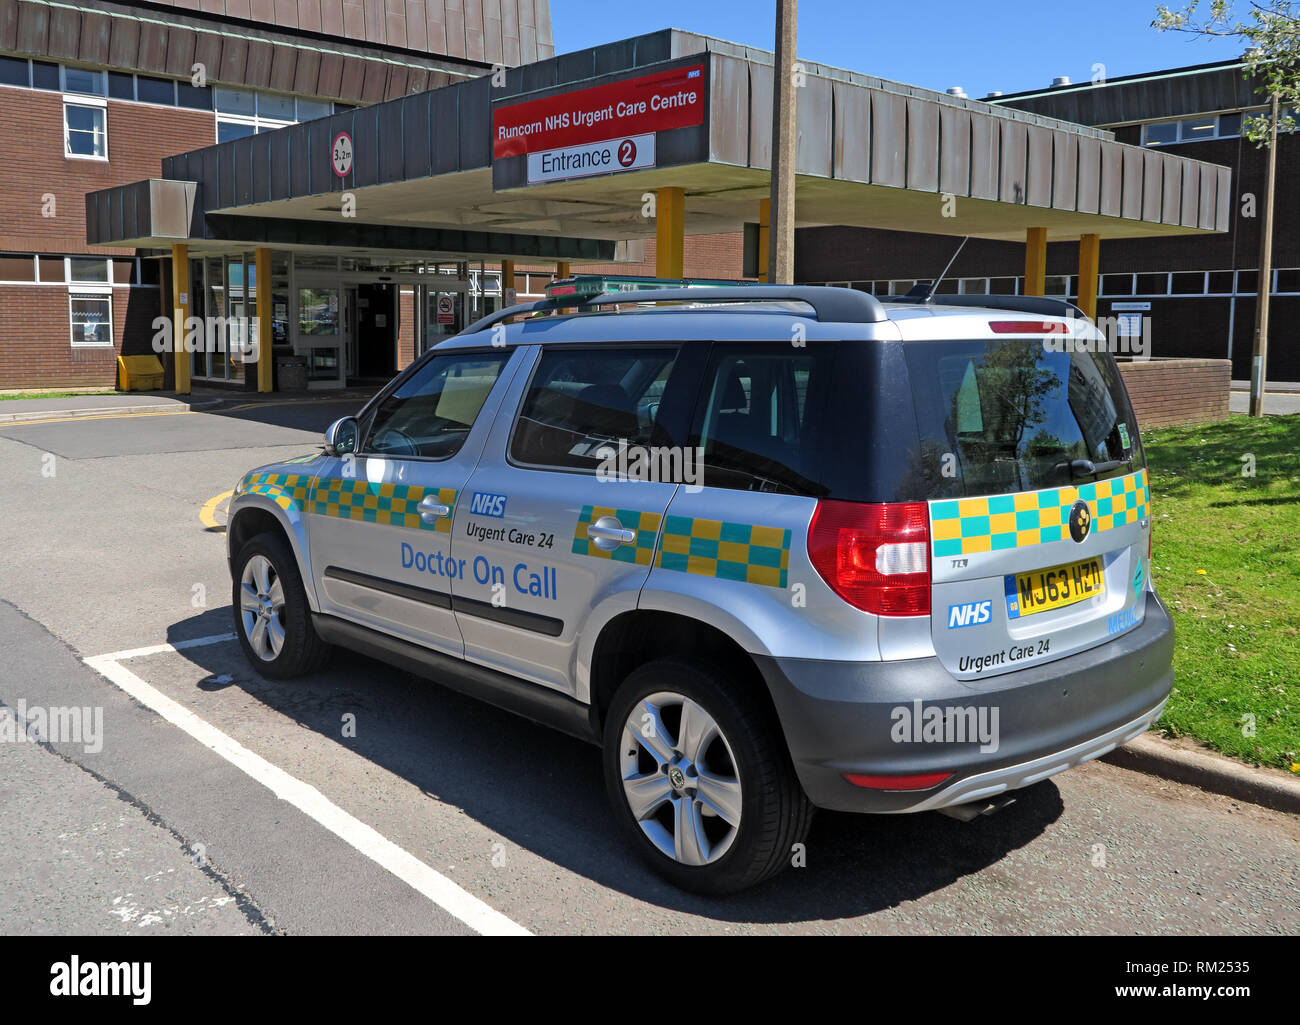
<point>542,791</point>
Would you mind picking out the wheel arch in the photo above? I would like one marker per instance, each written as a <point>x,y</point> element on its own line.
<point>636,637</point>
<point>258,514</point>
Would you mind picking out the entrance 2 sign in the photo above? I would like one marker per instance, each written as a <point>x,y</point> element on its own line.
<point>603,113</point>
<point>629,154</point>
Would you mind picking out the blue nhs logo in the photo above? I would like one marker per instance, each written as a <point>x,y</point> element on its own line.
<point>486,504</point>
<point>971,613</point>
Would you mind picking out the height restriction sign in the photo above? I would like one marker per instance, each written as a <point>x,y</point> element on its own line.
<point>341,154</point>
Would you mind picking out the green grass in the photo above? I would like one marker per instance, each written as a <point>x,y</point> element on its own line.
<point>1227,564</point>
<point>53,394</point>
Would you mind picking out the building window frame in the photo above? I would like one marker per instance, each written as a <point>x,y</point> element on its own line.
<point>82,101</point>
<point>1181,135</point>
<point>93,293</point>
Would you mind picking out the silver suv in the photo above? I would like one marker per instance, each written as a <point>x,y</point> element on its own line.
<point>772,548</point>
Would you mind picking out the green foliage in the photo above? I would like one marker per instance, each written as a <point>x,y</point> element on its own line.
<point>1271,34</point>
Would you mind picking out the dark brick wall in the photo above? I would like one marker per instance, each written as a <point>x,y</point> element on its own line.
<point>1177,391</point>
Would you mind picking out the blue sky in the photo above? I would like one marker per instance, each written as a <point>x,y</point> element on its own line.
<point>1011,45</point>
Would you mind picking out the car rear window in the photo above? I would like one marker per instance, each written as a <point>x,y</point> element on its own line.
<point>1010,415</point>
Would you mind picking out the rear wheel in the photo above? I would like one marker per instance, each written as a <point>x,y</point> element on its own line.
<point>272,617</point>
<point>700,779</point>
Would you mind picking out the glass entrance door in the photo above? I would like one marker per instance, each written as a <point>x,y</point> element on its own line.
<point>323,332</point>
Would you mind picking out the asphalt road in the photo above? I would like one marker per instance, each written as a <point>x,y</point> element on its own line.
<point>218,802</point>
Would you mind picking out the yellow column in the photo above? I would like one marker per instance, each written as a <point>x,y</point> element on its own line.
<point>764,235</point>
<point>180,314</point>
<point>507,278</point>
<point>1089,265</point>
<point>562,270</point>
<point>1035,261</point>
<point>670,225</point>
<point>262,268</point>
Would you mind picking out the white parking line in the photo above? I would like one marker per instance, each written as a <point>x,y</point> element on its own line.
<point>307,799</point>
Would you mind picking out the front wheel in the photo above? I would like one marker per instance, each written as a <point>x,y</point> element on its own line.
<point>700,778</point>
<point>272,617</point>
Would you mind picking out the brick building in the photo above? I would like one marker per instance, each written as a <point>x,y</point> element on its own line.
<point>96,93</point>
<point>1201,291</point>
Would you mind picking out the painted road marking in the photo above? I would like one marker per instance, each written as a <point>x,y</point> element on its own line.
<point>456,901</point>
<point>6,424</point>
<point>208,514</point>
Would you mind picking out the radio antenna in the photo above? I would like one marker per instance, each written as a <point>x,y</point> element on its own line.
<point>934,287</point>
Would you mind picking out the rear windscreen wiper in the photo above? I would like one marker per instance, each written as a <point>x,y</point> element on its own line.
<point>1087,468</point>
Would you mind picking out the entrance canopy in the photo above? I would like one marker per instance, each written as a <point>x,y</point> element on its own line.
<point>556,160</point>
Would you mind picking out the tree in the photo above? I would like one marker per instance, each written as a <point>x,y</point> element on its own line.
<point>1271,34</point>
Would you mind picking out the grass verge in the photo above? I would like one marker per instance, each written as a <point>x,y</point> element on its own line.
<point>1226,561</point>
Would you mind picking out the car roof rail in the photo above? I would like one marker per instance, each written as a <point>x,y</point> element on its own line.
<point>830,305</point>
<point>1040,305</point>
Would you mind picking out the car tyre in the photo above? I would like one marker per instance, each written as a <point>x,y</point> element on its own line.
<point>272,616</point>
<point>700,779</point>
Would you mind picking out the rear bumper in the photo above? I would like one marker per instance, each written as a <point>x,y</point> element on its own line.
<point>991,735</point>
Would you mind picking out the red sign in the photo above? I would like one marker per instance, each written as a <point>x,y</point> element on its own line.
<point>635,106</point>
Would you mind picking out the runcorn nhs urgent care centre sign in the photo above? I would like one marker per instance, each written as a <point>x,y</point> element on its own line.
<point>604,129</point>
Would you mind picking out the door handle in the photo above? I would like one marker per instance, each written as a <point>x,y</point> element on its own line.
<point>431,510</point>
<point>607,533</point>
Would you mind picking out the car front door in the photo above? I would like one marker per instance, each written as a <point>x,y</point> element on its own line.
<point>379,520</point>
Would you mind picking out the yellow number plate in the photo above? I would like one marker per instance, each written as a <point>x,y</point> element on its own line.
<point>1055,588</point>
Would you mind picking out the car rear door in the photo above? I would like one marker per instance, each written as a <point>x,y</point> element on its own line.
<point>1040,517</point>
<point>558,526</point>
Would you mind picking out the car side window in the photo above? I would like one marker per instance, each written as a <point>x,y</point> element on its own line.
<point>432,412</point>
<point>583,402</point>
<point>755,421</point>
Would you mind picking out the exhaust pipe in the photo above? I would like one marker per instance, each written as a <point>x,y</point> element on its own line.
<point>977,809</point>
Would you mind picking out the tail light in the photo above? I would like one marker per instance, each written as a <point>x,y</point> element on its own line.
<point>875,557</point>
<point>920,781</point>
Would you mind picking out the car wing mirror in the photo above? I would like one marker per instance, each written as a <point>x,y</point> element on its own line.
<point>342,436</point>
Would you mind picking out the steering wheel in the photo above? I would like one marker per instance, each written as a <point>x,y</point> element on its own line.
<point>405,445</point>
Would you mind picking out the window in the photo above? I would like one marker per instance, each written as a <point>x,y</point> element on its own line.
<point>277,108</point>
<point>87,269</point>
<point>80,80</point>
<point>53,268</point>
<point>1192,129</point>
<point>582,402</point>
<point>227,130</point>
<point>1117,284</point>
<point>45,75</point>
<point>1188,283</point>
<point>1057,284</point>
<point>193,96</point>
<point>974,286</point>
<point>85,130</point>
<point>235,101</point>
<point>17,267</point>
<point>13,71</point>
<point>121,85</point>
<point>1152,284</point>
<point>1015,414</point>
<point>431,414</point>
<point>310,109</point>
<point>1220,282</point>
<point>754,428</point>
<point>155,90</point>
<point>91,317</point>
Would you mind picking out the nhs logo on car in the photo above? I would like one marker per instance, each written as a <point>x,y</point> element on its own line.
<point>972,613</point>
<point>486,504</point>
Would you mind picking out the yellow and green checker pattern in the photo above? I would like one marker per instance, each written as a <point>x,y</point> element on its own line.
<point>744,552</point>
<point>392,505</point>
<point>645,524</point>
<point>287,490</point>
<point>996,522</point>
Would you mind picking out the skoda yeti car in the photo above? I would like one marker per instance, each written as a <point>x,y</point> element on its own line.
<point>772,548</point>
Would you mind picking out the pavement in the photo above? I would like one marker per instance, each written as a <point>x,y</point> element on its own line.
<point>365,800</point>
<point>1275,402</point>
